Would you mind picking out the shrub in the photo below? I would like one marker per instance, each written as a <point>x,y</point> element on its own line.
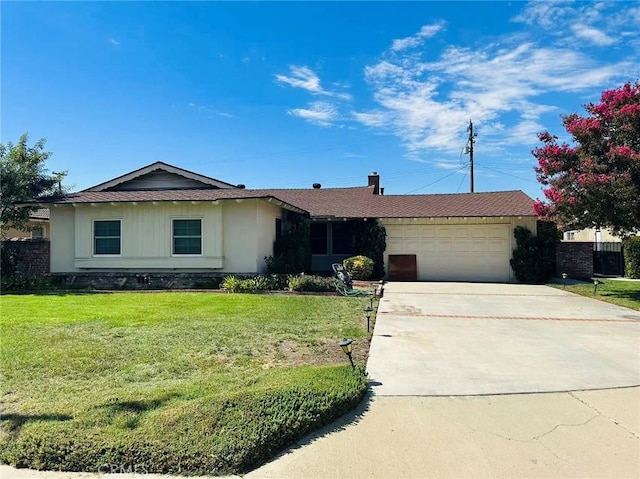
<point>272,282</point>
<point>8,260</point>
<point>632,257</point>
<point>21,282</point>
<point>371,242</point>
<point>313,283</point>
<point>533,259</point>
<point>231,284</point>
<point>291,252</point>
<point>359,267</point>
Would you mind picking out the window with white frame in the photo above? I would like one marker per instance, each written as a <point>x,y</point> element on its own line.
<point>37,232</point>
<point>187,236</point>
<point>106,237</point>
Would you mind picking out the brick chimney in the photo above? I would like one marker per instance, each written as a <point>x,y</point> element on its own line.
<point>374,180</point>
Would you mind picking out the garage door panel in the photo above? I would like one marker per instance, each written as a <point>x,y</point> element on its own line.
<point>412,231</point>
<point>454,252</point>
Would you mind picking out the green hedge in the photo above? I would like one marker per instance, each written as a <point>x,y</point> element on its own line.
<point>632,257</point>
<point>271,282</point>
<point>278,282</point>
<point>318,284</point>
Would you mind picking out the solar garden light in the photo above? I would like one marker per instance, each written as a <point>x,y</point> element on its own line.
<point>564,280</point>
<point>347,347</point>
<point>596,282</point>
<point>367,311</point>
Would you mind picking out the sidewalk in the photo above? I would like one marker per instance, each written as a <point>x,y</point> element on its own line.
<point>593,434</point>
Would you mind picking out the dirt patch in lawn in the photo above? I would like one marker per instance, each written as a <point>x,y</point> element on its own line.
<point>290,353</point>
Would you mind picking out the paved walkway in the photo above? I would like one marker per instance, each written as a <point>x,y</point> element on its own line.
<point>443,357</point>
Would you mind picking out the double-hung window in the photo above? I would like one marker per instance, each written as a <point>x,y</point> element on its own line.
<point>106,237</point>
<point>187,237</point>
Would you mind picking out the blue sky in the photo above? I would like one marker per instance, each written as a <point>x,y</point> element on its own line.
<point>287,94</point>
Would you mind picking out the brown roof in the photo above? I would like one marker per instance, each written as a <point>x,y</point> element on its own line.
<point>357,202</point>
<point>499,203</point>
<point>40,214</point>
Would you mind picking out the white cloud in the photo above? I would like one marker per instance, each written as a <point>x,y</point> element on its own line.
<point>375,118</point>
<point>592,35</point>
<point>115,42</point>
<point>446,165</point>
<point>545,13</point>
<point>428,104</point>
<point>523,133</point>
<point>427,31</point>
<point>320,113</point>
<point>210,112</point>
<point>599,23</point>
<point>305,78</point>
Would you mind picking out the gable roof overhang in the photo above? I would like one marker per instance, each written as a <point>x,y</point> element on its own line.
<point>214,196</point>
<point>159,165</point>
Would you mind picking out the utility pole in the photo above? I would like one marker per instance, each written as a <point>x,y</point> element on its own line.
<point>472,139</point>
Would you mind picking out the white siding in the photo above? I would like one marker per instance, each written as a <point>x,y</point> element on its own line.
<point>266,232</point>
<point>239,236</point>
<point>249,233</point>
<point>146,235</point>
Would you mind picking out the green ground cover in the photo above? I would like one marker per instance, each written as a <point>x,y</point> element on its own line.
<point>622,293</point>
<point>191,383</point>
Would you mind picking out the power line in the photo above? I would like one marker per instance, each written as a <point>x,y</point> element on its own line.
<point>462,180</point>
<point>437,181</point>
<point>508,174</point>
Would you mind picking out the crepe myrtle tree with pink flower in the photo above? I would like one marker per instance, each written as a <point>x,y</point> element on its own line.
<point>596,181</point>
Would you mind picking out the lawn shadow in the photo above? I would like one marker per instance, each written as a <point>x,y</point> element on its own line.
<point>628,294</point>
<point>116,408</point>
<point>141,406</point>
<point>16,421</point>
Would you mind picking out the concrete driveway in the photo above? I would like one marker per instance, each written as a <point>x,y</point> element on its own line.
<point>451,339</point>
<point>443,358</point>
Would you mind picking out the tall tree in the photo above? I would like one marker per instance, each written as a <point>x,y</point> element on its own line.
<point>595,182</point>
<point>23,177</point>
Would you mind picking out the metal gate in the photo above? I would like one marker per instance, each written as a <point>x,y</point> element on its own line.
<point>608,259</point>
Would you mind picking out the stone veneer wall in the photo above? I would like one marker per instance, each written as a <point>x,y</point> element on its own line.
<point>575,258</point>
<point>141,281</point>
<point>32,257</point>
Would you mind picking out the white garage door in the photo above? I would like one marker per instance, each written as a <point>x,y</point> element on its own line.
<point>454,252</point>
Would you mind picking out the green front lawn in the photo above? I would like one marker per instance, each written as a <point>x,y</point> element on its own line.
<point>622,293</point>
<point>191,383</point>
